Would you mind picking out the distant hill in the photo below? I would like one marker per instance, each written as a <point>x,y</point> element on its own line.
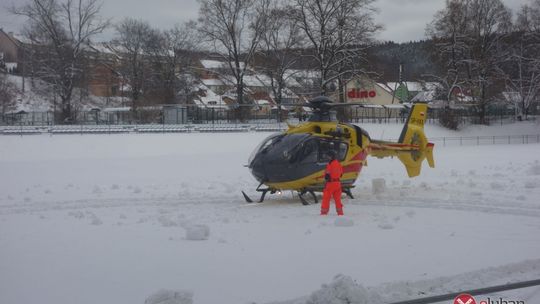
<point>383,59</point>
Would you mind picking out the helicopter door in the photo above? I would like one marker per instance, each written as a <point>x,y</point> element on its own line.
<point>305,160</point>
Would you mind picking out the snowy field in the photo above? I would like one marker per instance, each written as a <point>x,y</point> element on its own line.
<point>121,218</point>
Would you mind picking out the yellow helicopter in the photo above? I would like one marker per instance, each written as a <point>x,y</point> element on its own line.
<point>296,159</point>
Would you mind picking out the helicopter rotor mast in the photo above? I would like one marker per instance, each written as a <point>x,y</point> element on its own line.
<point>322,106</point>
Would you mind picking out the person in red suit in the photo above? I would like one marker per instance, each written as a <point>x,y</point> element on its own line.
<point>332,188</point>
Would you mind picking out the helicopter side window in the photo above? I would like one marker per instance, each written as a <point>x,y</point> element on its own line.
<point>325,146</point>
<point>342,151</point>
<point>308,153</point>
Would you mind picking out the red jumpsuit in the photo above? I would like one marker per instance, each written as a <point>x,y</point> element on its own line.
<point>332,188</point>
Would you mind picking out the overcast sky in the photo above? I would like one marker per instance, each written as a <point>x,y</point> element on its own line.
<point>404,20</point>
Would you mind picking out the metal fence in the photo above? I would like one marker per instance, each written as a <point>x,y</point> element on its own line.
<point>191,114</point>
<point>484,140</point>
<point>250,127</point>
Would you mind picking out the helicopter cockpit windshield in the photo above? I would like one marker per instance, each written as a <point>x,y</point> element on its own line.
<point>264,144</point>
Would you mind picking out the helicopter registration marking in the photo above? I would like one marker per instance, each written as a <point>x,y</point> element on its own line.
<point>417,121</point>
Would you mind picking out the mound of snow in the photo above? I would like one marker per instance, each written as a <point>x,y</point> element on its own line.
<point>378,185</point>
<point>531,184</point>
<point>535,169</point>
<point>170,297</point>
<point>343,290</point>
<point>343,222</point>
<point>197,232</point>
<point>386,226</point>
<point>497,186</point>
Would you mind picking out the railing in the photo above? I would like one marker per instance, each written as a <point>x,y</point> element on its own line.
<point>484,140</point>
<point>489,140</point>
<point>209,128</point>
<point>195,115</point>
<point>153,128</point>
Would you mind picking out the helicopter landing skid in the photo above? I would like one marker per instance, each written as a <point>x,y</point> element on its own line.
<point>264,191</point>
<point>347,191</point>
<point>307,201</point>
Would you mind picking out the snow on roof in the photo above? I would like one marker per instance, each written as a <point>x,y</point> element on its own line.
<point>412,86</point>
<point>212,82</point>
<point>10,66</point>
<point>285,93</point>
<point>512,97</point>
<point>264,79</point>
<point>103,48</point>
<point>208,98</point>
<point>292,83</point>
<point>424,96</point>
<point>372,106</point>
<point>296,73</point>
<point>385,87</point>
<point>117,109</point>
<point>394,106</point>
<point>216,64</point>
<point>20,37</point>
<point>254,81</point>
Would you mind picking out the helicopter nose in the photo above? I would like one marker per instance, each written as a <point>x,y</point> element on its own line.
<point>257,168</point>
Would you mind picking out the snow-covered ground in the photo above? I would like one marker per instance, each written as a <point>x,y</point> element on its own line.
<point>137,218</point>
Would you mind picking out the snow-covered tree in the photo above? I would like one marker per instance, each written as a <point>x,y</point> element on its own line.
<point>60,30</point>
<point>472,32</point>
<point>523,75</point>
<point>235,28</point>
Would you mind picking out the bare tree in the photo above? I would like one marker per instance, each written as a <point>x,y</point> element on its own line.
<point>235,29</point>
<point>280,50</point>
<point>338,32</point>
<point>451,51</point>
<point>61,30</point>
<point>528,19</point>
<point>471,32</point>
<point>131,44</point>
<point>8,93</point>
<point>523,77</point>
<point>172,55</point>
<point>490,20</point>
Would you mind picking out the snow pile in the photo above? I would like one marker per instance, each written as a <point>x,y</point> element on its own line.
<point>535,169</point>
<point>510,273</point>
<point>343,290</point>
<point>378,185</point>
<point>170,297</point>
<point>197,232</point>
<point>530,184</point>
<point>343,222</point>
